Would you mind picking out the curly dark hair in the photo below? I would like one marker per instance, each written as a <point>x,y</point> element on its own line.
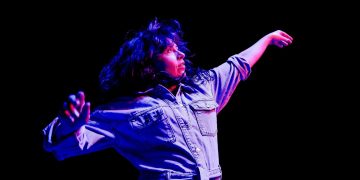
<point>132,68</point>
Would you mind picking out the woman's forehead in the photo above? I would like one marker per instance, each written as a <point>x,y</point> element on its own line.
<point>170,42</point>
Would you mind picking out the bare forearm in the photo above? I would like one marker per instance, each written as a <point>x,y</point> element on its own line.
<point>254,52</point>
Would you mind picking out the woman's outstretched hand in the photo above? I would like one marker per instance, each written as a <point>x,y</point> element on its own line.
<point>280,38</point>
<point>76,112</point>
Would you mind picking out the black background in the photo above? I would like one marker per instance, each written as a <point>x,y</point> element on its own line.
<point>273,127</point>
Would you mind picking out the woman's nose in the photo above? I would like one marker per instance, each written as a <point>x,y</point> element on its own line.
<point>180,55</point>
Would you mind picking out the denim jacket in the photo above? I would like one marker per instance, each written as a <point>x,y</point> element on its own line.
<point>165,136</point>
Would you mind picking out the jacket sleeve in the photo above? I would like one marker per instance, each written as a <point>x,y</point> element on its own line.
<point>227,77</point>
<point>91,137</point>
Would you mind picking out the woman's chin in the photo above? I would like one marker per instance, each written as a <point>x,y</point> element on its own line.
<point>183,74</point>
<point>180,75</point>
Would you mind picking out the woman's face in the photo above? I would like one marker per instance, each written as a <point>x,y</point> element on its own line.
<point>172,61</point>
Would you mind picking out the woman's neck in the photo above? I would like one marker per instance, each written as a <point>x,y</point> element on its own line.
<point>173,88</point>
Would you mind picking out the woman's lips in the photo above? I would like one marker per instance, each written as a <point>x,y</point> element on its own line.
<point>182,67</point>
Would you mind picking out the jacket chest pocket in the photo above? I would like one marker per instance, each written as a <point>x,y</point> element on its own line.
<point>153,126</point>
<point>205,114</point>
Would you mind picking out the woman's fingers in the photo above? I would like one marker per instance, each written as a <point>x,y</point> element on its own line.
<point>75,108</point>
<point>85,114</point>
<point>282,33</point>
<point>81,98</point>
<point>281,39</point>
<point>70,112</point>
